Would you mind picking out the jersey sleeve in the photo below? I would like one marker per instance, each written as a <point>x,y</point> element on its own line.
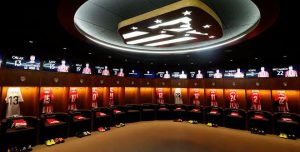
<point>20,95</point>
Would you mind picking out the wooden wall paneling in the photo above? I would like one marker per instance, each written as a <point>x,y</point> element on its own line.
<point>132,95</point>
<point>132,82</point>
<point>79,80</point>
<point>213,83</point>
<point>147,95</point>
<point>285,83</point>
<point>54,79</point>
<point>118,95</point>
<point>20,77</point>
<point>237,83</point>
<point>258,83</point>
<point>83,97</point>
<point>116,81</point>
<point>146,82</point>
<point>162,83</point>
<point>105,102</point>
<point>179,83</point>
<point>219,96</point>
<point>196,83</point>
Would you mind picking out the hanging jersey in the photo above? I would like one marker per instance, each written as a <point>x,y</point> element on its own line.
<point>282,100</point>
<point>13,99</point>
<point>213,98</point>
<point>291,73</point>
<point>255,101</point>
<point>196,100</point>
<point>73,99</point>
<point>178,96</point>
<point>263,74</point>
<point>111,97</point>
<point>86,71</point>
<point>47,98</point>
<point>233,103</point>
<point>94,98</point>
<point>160,96</point>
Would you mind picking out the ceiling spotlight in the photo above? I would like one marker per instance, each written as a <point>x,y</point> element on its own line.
<point>157,21</point>
<point>165,64</point>
<point>90,53</point>
<point>256,58</point>
<point>138,61</point>
<point>125,60</point>
<point>192,63</point>
<point>134,28</point>
<point>210,62</point>
<point>206,26</point>
<point>231,60</point>
<point>151,62</point>
<point>64,48</point>
<point>31,42</point>
<point>109,57</point>
<point>178,64</point>
<point>211,37</point>
<point>284,56</point>
<point>187,13</point>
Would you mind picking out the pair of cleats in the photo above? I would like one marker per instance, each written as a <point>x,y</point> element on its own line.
<point>212,124</point>
<point>54,141</point>
<point>193,121</point>
<point>178,120</point>
<point>287,136</point>
<point>82,134</point>
<point>120,125</point>
<point>23,149</point>
<point>103,129</point>
<point>86,133</point>
<point>257,131</point>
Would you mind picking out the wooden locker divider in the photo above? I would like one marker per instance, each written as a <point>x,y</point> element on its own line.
<point>132,95</point>
<point>147,95</point>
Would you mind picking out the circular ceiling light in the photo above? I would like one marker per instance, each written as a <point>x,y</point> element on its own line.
<point>99,20</point>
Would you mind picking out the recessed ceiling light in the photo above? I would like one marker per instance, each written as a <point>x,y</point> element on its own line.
<point>256,58</point>
<point>187,13</point>
<point>206,26</point>
<point>285,56</point>
<point>178,64</point>
<point>158,21</point>
<point>90,53</point>
<point>64,48</point>
<point>192,63</point>
<point>165,64</point>
<point>231,60</point>
<point>134,28</point>
<point>109,57</point>
<point>30,41</point>
<point>151,62</point>
<point>138,61</point>
<point>210,62</point>
<point>125,60</point>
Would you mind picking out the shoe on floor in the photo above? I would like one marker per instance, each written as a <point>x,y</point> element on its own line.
<point>101,129</point>
<point>122,124</point>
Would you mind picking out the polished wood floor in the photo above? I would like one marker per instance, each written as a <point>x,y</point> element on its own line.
<point>169,136</point>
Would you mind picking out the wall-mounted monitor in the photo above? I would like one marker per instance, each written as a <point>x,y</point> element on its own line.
<point>149,74</point>
<point>56,65</point>
<point>215,73</point>
<point>286,71</point>
<point>196,74</point>
<point>102,70</point>
<point>234,73</point>
<point>83,68</point>
<point>134,74</point>
<point>23,62</point>
<point>118,72</point>
<point>261,72</point>
<point>179,75</point>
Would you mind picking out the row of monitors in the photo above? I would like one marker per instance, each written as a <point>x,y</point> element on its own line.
<point>32,63</point>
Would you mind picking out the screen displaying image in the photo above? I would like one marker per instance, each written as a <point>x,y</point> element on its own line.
<point>118,72</point>
<point>214,74</point>
<point>179,75</point>
<point>134,74</point>
<point>261,72</point>
<point>1,59</point>
<point>234,73</point>
<point>149,74</point>
<point>164,75</point>
<point>102,70</point>
<point>288,71</point>
<point>196,75</point>
<point>23,62</point>
<point>82,68</point>
<point>57,66</point>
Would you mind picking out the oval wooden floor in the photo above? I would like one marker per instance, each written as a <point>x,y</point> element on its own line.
<point>168,136</point>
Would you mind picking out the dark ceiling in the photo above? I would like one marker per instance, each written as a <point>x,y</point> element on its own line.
<point>37,21</point>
